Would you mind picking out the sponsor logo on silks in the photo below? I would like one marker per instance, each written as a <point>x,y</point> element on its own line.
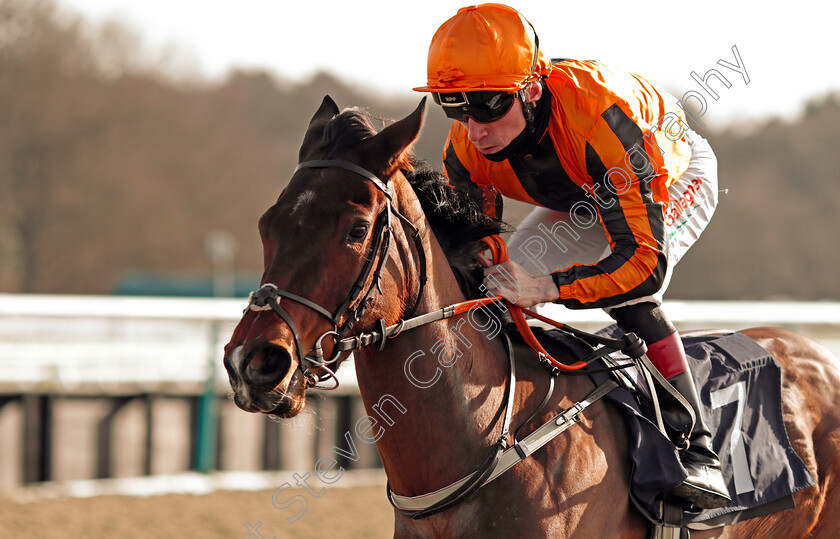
<point>687,201</point>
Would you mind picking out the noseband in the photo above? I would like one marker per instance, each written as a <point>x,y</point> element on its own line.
<point>269,295</point>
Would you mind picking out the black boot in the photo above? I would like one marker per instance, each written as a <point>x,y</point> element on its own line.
<point>704,486</point>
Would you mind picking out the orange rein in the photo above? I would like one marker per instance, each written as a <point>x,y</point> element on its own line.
<point>499,250</point>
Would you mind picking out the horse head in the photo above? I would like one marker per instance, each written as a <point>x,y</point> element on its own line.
<point>330,251</point>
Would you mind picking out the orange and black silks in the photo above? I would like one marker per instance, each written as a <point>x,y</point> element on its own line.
<point>613,145</point>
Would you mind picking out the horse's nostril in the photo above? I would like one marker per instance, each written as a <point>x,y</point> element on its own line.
<point>266,365</point>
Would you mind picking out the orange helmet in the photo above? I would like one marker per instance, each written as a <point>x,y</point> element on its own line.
<point>490,47</point>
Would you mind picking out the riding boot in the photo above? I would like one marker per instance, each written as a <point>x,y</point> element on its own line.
<point>704,486</point>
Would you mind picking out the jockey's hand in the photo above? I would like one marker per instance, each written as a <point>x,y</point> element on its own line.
<point>513,282</point>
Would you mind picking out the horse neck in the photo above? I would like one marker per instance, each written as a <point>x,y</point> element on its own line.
<point>436,386</point>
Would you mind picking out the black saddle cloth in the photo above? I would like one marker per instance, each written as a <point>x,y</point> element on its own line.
<point>740,390</point>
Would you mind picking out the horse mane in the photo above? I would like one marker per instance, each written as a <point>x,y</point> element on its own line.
<point>457,221</point>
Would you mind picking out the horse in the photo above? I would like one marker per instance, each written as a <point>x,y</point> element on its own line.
<point>351,253</point>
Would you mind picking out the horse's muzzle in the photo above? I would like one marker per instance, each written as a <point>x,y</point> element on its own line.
<point>262,379</point>
<point>265,366</point>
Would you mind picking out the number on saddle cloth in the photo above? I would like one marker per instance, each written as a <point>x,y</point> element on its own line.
<point>740,390</point>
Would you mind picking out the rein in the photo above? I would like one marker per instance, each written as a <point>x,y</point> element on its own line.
<point>630,344</point>
<point>269,295</point>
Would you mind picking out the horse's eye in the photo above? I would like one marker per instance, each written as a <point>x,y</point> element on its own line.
<point>358,232</point>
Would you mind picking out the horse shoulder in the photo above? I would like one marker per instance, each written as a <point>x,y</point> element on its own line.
<point>587,462</point>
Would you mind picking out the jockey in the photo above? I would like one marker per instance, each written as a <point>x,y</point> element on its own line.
<point>622,188</point>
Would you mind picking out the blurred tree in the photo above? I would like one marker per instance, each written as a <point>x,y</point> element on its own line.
<point>116,160</point>
<point>43,105</point>
<point>771,236</point>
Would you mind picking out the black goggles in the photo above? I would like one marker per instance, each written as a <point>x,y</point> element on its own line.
<point>483,107</point>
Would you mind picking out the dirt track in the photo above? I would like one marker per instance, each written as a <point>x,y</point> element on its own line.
<point>361,512</point>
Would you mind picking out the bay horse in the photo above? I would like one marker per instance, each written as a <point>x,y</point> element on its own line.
<point>349,251</point>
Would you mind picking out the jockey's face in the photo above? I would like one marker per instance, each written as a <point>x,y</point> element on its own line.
<point>493,137</point>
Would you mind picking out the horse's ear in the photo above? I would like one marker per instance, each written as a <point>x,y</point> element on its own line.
<point>325,112</point>
<point>397,140</point>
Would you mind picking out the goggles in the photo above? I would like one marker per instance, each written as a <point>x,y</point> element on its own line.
<point>483,107</point>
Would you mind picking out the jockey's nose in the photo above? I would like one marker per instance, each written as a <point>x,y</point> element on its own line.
<point>475,130</point>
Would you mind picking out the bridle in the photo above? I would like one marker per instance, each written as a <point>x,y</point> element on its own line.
<point>269,295</point>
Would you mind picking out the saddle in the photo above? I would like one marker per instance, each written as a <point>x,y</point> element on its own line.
<point>740,390</point>
<point>740,387</point>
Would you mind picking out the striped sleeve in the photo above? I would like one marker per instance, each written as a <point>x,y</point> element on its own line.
<point>622,169</point>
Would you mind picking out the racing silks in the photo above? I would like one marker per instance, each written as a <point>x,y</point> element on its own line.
<point>613,145</point>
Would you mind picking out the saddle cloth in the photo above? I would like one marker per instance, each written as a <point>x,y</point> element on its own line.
<point>740,389</point>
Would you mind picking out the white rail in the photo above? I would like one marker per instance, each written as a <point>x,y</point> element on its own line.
<point>99,343</point>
